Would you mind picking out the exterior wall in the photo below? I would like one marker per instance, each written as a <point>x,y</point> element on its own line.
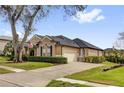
<point>70,49</point>
<point>2,45</point>
<point>38,51</point>
<point>93,52</point>
<point>101,53</point>
<point>86,52</point>
<point>58,50</point>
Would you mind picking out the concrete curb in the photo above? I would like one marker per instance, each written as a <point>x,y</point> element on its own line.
<point>12,69</point>
<point>84,82</point>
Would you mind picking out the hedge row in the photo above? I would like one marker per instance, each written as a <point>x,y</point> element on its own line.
<point>93,59</point>
<point>115,59</point>
<point>58,60</point>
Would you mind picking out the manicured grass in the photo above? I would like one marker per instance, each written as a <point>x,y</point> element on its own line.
<point>29,65</point>
<point>3,59</point>
<point>112,77</point>
<point>25,65</point>
<point>4,71</point>
<point>56,83</point>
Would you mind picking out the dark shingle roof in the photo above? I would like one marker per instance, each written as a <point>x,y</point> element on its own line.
<point>62,40</point>
<point>84,44</point>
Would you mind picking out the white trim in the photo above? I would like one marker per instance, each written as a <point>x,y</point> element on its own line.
<point>45,37</point>
<point>34,36</point>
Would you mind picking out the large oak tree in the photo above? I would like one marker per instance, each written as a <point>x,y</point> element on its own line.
<point>26,16</point>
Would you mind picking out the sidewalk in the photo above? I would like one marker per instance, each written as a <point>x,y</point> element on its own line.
<point>12,69</point>
<point>84,82</point>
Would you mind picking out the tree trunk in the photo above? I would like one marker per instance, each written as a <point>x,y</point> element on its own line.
<point>20,55</point>
<point>15,39</point>
<point>15,59</point>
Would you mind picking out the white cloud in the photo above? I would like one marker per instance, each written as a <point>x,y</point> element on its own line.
<point>5,32</point>
<point>101,17</point>
<point>88,17</point>
<point>20,34</point>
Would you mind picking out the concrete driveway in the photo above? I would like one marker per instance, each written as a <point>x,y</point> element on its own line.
<point>41,77</point>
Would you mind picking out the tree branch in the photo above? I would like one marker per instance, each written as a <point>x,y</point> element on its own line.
<point>6,8</point>
<point>30,25</point>
<point>35,12</point>
<point>20,12</point>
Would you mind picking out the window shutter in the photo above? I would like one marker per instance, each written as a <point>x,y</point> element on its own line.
<point>51,50</point>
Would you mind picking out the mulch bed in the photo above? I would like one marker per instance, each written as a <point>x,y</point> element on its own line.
<point>112,67</point>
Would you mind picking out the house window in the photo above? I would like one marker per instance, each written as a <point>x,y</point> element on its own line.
<point>49,50</point>
<point>43,51</point>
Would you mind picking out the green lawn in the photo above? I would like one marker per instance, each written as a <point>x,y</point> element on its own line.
<point>28,65</point>
<point>56,83</point>
<point>112,77</point>
<point>4,71</point>
<point>3,59</point>
<point>25,65</point>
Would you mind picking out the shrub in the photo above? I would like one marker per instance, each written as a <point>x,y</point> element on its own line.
<point>24,57</point>
<point>93,59</point>
<point>11,57</point>
<point>115,59</point>
<point>59,60</point>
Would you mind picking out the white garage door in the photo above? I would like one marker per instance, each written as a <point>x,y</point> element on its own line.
<point>70,53</point>
<point>70,56</point>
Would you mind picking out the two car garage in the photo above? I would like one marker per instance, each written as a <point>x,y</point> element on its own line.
<point>70,53</point>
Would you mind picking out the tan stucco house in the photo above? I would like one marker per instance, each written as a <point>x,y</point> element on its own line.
<point>62,46</point>
<point>56,46</point>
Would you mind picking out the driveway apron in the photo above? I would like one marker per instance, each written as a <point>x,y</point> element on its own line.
<point>41,77</point>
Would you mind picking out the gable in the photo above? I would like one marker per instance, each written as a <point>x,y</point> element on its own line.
<point>46,40</point>
<point>34,39</point>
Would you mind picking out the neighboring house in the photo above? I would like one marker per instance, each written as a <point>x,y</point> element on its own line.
<point>62,46</point>
<point>111,51</point>
<point>3,41</point>
<point>107,51</point>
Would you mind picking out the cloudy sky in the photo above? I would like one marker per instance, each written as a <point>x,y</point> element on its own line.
<point>98,25</point>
